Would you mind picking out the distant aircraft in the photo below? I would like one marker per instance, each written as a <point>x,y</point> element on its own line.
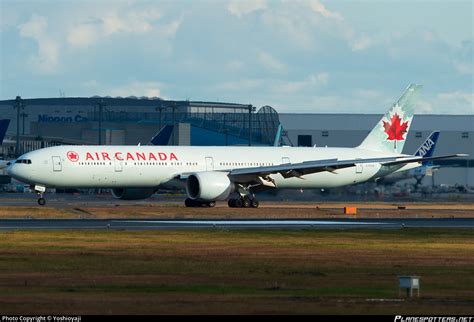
<point>279,136</point>
<point>233,173</point>
<point>163,136</point>
<point>426,149</point>
<point>3,130</point>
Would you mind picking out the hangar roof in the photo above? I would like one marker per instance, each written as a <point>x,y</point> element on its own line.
<point>354,122</point>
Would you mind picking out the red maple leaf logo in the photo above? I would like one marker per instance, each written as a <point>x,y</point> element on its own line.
<point>73,156</point>
<point>395,129</point>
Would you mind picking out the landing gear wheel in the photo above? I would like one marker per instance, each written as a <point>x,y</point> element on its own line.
<point>41,201</point>
<point>211,204</point>
<point>254,203</point>
<point>238,203</point>
<point>246,202</point>
<point>189,203</point>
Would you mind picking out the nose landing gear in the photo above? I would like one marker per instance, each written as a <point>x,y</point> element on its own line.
<point>40,190</point>
<point>41,201</point>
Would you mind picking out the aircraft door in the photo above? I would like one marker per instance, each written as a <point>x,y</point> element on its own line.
<point>118,165</point>
<point>359,168</point>
<point>285,160</point>
<point>209,164</point>
<point>57,166</point>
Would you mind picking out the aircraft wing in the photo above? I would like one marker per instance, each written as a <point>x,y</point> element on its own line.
<point>421,159</point>
<point>290,170</point>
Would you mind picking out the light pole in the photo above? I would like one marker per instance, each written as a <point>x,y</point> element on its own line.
<point>101,108</point>
<point>23,116</point>
<point>251,109</point>
<point>19,106</point>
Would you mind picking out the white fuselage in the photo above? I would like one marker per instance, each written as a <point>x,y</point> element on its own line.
<point>152,166</point>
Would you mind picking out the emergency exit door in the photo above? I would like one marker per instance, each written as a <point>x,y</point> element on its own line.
<point>209,164</point>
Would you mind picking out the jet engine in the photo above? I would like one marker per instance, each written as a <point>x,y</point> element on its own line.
<point>209,186</point>
<point>132,193</point>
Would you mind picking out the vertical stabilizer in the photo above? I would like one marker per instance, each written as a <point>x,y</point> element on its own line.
<point>390,133</point>
<point>277,141</point>
<point>3,129</point>
<point>427,148</point>
<point>163,136</point>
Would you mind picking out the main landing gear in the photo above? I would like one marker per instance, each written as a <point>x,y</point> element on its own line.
<point>243,202</point>
<point>195,203</point>
<point>244,198</point>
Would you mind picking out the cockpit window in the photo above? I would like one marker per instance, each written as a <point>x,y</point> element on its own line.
<point>25,161</point>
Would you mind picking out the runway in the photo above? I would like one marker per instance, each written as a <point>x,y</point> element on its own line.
<point>287,224</point>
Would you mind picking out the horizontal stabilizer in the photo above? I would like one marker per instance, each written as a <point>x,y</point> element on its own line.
<point>421,159</point>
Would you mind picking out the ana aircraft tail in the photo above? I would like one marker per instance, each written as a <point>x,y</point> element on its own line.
<point>427,148</point>
<point>391,131</point>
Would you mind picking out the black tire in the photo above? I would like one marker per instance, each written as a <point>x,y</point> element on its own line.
<point>246,202</point>
<point>254,203</point>
<point>41,201</point>
<point>238,203</point>
<point>231,203</point>
<point>189,203</point>
<point>211,204</point>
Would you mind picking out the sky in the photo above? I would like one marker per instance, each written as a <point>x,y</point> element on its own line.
<point>298,56</point>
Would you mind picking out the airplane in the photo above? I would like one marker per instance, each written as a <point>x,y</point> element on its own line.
<point>426,149</point>
<point>163,136</point>
<point>280,133</point>
<point>233,173</point>
<point>3,130</point>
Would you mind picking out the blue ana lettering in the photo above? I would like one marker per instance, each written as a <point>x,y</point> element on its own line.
<point>426,147</point>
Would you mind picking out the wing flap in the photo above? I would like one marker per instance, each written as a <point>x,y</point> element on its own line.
<point>290,170</point>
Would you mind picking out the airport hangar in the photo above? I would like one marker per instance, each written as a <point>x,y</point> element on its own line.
<point>107,120</point>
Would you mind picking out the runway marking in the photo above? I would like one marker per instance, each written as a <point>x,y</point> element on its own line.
<point>251,222</point>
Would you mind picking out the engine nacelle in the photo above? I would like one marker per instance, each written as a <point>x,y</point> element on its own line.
<point>132,193</point>
<point>209,186</point>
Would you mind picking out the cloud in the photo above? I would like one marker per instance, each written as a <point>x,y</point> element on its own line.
<point>424,107</point>
<point>271,63</point>
<point>367,93</point>
<point>46,60</point>
<point>235,65</point>
<point>310,83</point>
<point>361,43</point>
<point>94,28</point>
<point>457,101</point>
<point>132,22</point>
<point>83,35</point>
<point>463,62</point>
<point>240,85</point>
<point>318,7</point>
<point>240,8</point>
<point>137,88</point>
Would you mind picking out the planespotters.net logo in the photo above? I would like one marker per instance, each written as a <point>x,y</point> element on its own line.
<point>73,156</point>
<point>399,318</point>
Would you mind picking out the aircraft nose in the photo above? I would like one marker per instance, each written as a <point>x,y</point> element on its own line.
<point>12,170</point>
<point>15,171</point>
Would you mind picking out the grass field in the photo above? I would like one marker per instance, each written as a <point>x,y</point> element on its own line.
<point>210,272</point>
<point>268,210</point>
